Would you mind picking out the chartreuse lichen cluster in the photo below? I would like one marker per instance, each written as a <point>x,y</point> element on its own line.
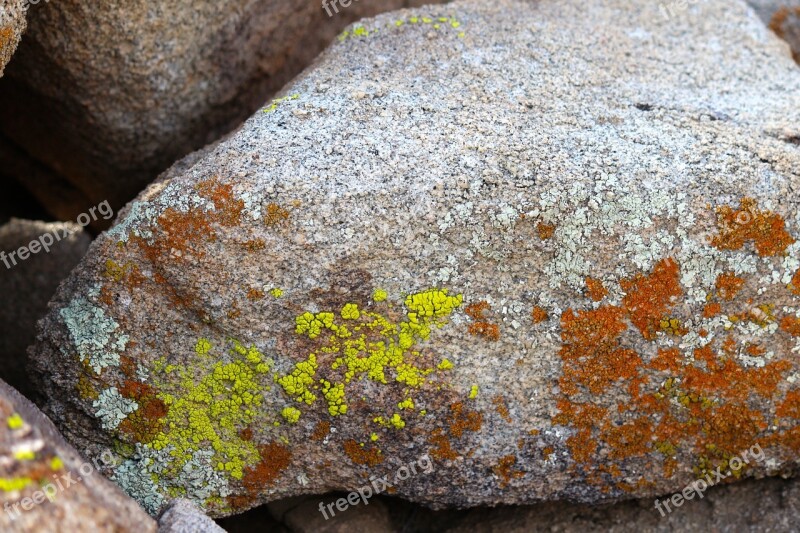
<point>200,447</point>
<point>367,344</point>
<point>278,101</point>
<point>437,23</point>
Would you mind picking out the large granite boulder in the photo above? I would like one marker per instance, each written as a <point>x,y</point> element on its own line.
<point>499,252</point>
<point>107,95</point>
<point>12,26</point>
<point>45,485</point>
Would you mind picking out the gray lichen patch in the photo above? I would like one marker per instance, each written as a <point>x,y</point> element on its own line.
<point>97,337</point>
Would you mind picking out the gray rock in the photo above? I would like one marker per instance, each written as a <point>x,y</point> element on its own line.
<point>182,516</point>
<point>531,251</point>
<point>107,97</point>
<point>12,26</point>
<point>29,284</point>
<point>45,485</point>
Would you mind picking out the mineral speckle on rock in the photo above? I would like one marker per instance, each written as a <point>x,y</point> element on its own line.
<point>550,247</point>
<point>12,25</point>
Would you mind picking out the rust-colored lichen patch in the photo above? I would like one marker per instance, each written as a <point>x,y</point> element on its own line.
<point>791,325</point>
<point>275,458</point>
<point>766,230</point>
<point>595,289</point>
<point>148,420</point>
<point>729,285</point>
<point>505,469</point>
<point>228,209</point>
<point>794,286</point>
<point>482,327</point>
<point>362,455</point>
<point>545,231</point>
<point>502,408</point>
<point>648,298</point>
<point>538,315</point>
<point>672,401</point>
<point>463,419</point>
<point>442,448</point>
<point>321,430</point>
<point>6,34</point>
<point>275,215</point>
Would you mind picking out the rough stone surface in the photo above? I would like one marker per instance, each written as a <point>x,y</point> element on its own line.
<point>182,516</point>
<point>36,462</point>
<point>12,26</point>
<point>550,247</point>
<point>28,286</point>
<point>783,17</point>
<point>109,95</point>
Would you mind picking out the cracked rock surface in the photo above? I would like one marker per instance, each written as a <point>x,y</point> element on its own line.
<point>486,253</point>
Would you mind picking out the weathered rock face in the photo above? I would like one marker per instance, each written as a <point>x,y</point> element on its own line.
<point>498,252</point>
<point>27,285</point>
<point>12,25</point>
<point>110,95</point>
<point>45,485</point>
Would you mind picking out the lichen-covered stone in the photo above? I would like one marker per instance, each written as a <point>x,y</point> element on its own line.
<point>12,25</point>
<point>45,485</point>
<point>108,96</point>
<point>551,247</point>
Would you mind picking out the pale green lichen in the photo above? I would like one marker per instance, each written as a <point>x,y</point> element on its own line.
<point>276,102</point>
<point>97,338</point>
<point>291,414</point>
<point>14,484</point>
<point>113,408</point>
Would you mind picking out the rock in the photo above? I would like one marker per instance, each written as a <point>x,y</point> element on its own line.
<point>306,517</point>
<point>45,485</point>
<point>182,516</point>
<point>526,252</point>
<point>12,26</point>
<point>29,284</point>
<point>783,17</point>
<point>109,96</point>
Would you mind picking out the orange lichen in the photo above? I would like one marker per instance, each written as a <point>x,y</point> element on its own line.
<point>595,289</point>
<point>669,359</point>
<point>545,231</point>
<point>538,315</point>
<point>228,210</point>
<point>148,420</point>
<point>648,298</point>
<point>791,325</point>
<point>486,330</point>
<point>462,419</point>
<point>765,229</point>
<point>275,215</point>
<point>275,458</point>
<point>362,455</point>
<point>502,408</point>
<point>505,469</point>
<point>591,350</point>
<point>482,327</point>
<point>443,450</point>
<point>794,286</point>
<point>729,285</point>
<point>790,407</point>
<point>712,309</point>
<point>255,245</point>
<point>477,309</point>
<point>255,294</point>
